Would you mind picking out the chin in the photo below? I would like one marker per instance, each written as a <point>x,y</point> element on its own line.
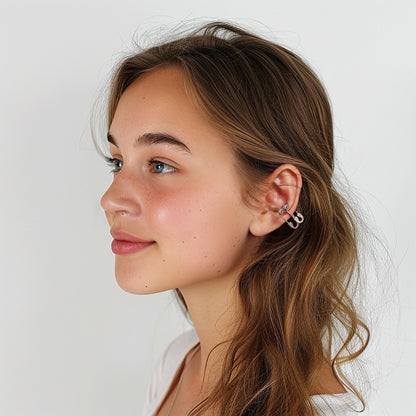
<point>135,285</point>
<point>130,280</point>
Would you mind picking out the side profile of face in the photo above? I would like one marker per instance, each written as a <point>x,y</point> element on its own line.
<point>175,205</point>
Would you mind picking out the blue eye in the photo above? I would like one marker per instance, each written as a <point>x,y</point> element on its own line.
<point>160,167</point>
<point>115,164</point>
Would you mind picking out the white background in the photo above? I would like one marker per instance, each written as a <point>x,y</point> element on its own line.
<point>72,342</point>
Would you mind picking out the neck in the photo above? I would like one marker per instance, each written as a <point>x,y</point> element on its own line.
<point>213,307</point>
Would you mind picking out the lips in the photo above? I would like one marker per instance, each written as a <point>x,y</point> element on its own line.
<point>125,243</point>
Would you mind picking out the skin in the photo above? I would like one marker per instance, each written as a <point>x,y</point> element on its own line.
<point>189,204</point>
<point>193,209</point>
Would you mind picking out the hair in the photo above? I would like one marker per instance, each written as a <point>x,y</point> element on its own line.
<point>296,291</point>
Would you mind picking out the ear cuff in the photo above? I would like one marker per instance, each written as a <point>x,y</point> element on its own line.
<point>297,217</point>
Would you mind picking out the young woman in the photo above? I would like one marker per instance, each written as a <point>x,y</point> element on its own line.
<point>222,151</point>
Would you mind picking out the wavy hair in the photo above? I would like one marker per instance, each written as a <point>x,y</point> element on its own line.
<point>296,291</point>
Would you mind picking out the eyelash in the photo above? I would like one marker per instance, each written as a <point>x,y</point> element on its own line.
<point>113,162</point>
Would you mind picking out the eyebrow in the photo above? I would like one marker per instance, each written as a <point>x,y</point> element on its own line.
<point>154,138</point>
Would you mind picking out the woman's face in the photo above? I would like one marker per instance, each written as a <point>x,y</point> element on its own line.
<point>175,204</point>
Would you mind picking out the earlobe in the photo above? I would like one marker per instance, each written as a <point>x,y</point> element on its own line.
<point>278,203</point>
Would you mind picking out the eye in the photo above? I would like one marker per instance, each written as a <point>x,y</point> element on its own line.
<point>115,164</point>
<point>161,167</point>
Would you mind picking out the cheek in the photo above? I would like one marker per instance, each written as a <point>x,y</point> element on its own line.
<point>176,214</point>
<point>201,230</point>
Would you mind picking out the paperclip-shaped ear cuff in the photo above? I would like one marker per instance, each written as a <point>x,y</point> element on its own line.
<point>297,217</point>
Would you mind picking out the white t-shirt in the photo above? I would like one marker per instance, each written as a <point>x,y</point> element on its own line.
<point>342,404</point>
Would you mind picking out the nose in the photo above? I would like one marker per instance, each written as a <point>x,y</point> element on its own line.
<point>121,197</point>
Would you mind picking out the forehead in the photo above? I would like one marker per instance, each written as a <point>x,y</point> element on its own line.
<point>158,97</point>
<point>158,102</point>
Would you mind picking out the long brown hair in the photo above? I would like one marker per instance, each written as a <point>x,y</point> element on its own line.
<point>298,309</point>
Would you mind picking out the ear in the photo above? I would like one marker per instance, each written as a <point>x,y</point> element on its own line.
<point>280,187</point>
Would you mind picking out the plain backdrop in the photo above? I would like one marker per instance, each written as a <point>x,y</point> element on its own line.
<point>71,341</point>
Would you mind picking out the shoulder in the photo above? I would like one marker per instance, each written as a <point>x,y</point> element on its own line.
<point>167,367</point>
<point>174,354</point>
<point>178,348</point>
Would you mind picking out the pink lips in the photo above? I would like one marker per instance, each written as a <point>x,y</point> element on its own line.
<point>125,243</point>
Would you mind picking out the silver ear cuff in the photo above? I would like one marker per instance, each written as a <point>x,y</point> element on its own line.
<point>297,217</point>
